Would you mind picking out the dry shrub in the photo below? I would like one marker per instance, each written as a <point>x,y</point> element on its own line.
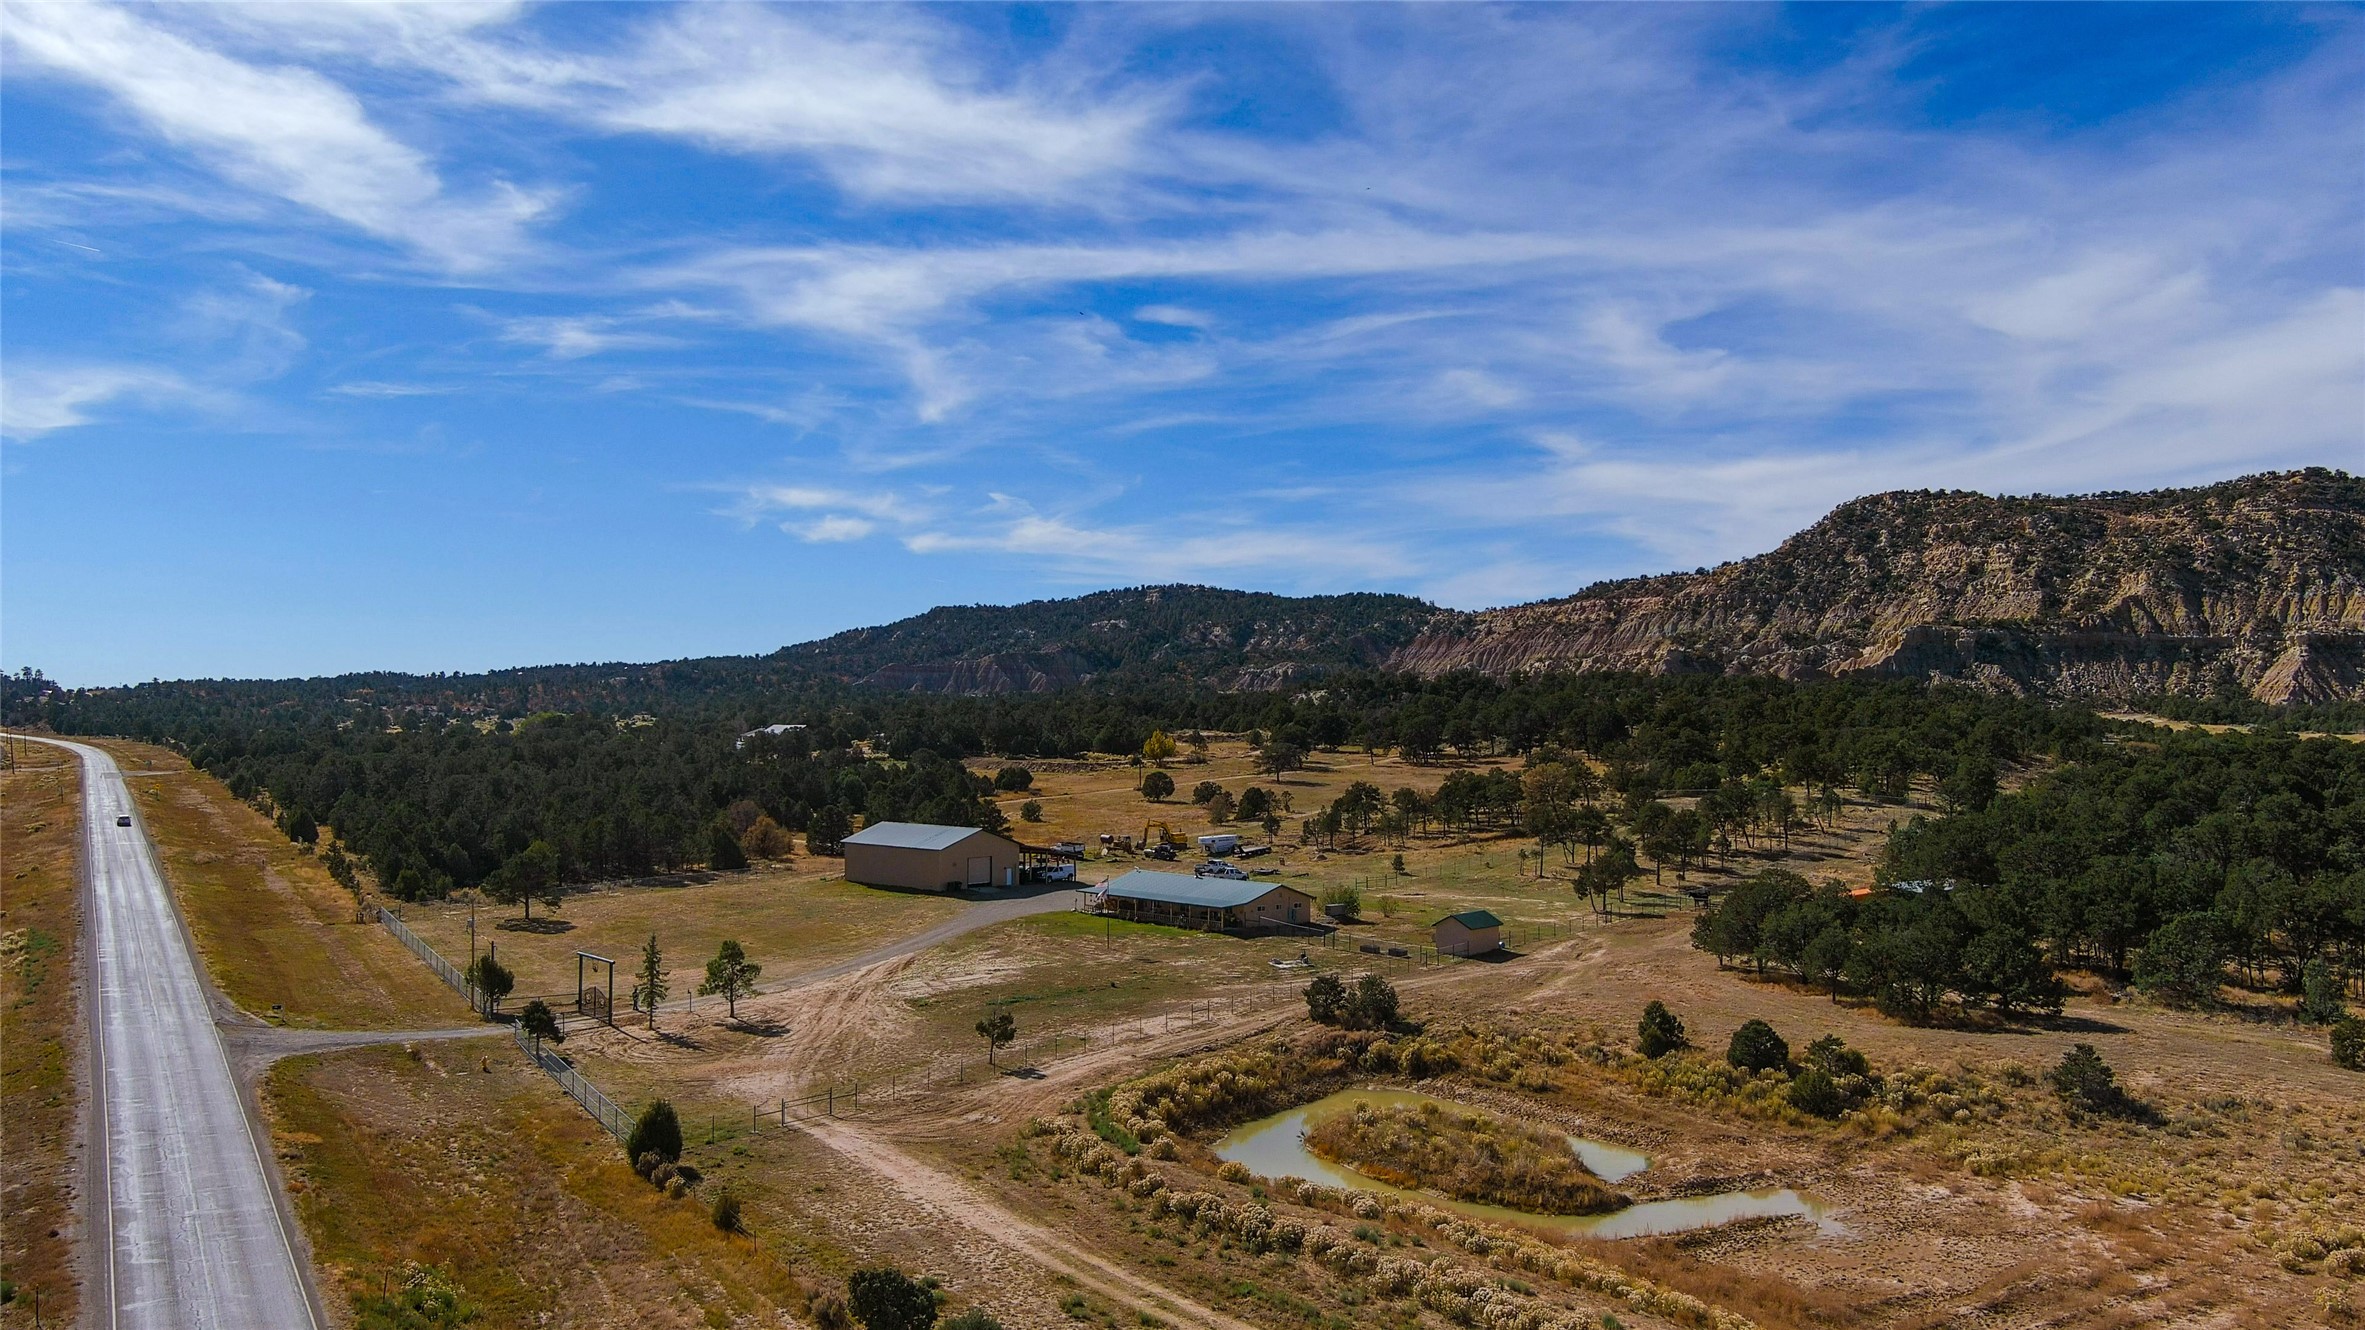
<point>1240,1083</point>
<point>828,1311</point>
<point>1467,1155</point>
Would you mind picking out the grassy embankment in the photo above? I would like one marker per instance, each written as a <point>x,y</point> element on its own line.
<point>270,923</point>
<point>1467,1155</point>
<point>40,932</point>
<point>508,1192</point>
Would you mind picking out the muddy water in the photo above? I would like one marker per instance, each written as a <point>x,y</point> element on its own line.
<point>1276,1148</point>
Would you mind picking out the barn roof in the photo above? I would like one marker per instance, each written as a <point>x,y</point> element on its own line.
<point>1473,919</point>
<point>1212,893</point>
<point>913,835</point>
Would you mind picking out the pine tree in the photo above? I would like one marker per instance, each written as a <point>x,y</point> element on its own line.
<point>731,976</point>
<point>652,978</point>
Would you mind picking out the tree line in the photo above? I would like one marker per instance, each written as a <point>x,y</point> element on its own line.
<point>426,784</point>
<point>2177,863</point>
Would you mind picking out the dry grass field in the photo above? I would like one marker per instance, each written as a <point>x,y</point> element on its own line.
<point>1441,874</point>
<point>507,1189</point>
<point>271,924</point>
<point>40,936</point>
<point>788,919</point>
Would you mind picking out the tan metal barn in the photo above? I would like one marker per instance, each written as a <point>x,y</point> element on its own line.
<point>1469,933</point>
<point>924,857</point>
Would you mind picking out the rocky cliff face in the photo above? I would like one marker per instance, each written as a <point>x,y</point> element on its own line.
<point>2256,583</point>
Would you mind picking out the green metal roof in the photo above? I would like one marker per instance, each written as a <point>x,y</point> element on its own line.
<point>1473,919</point>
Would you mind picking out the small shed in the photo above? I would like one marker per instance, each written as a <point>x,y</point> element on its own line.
<point>925,857</point>
<point>1212,903</point>
<point>1469,933</point>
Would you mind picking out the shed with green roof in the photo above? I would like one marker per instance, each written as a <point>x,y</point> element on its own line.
<point>1468,933</point>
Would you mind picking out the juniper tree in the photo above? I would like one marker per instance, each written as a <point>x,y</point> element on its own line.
<point>491,980</point>
<point>1755,1047</point>
<point>1660,1031</point>
<point>997,1030</point>
<point>1326,999</point>
<point>541,1022</point>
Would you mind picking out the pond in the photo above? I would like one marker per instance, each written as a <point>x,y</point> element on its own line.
<point>1275,1147</point>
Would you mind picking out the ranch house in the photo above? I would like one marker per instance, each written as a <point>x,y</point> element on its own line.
<point>1215,904</point>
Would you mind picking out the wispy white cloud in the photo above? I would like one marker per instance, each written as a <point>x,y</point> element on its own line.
<point>889,104</point>
<point>831,529</point>
<point>38,399</point>
<point>280,129</point>
<point>252,319</point>
<point>571,337</point>
<point>1174,316</point>
<point>1188,547</point>
<point>1183,545</point>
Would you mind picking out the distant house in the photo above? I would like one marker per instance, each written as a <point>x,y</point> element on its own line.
<point>1212,903</point>
<point>767,732</point>
<point>924,857</point>
<point>1469,933</point>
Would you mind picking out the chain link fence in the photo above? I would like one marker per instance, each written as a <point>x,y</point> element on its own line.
<point>444,970</point>
<point>578,1087</point>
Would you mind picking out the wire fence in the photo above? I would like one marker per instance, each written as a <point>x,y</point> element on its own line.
<point>578,1086</point>
<point>444,970</point>
<point>830,1101</point>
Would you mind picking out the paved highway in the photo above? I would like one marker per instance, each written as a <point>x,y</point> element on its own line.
<point>192,1235</point>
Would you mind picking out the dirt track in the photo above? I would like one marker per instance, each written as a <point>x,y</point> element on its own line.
<point>946,1196</point>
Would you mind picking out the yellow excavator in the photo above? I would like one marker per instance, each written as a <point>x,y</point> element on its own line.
<point>1165,843</point>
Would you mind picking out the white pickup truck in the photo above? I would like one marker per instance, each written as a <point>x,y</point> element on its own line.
<point>1218,868</point>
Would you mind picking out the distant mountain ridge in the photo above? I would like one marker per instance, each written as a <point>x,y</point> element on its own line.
<point>2255,585</point>
<point>1233,639</point>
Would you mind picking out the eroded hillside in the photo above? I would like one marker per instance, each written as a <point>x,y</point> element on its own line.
<point>2256,583</point>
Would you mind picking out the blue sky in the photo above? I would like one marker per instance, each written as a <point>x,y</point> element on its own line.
<point>459,336</point>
